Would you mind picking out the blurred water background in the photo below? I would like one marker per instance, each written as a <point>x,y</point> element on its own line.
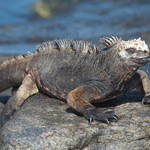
<point>24,24</point>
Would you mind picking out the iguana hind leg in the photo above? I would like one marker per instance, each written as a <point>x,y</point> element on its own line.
<point>80,98</point>
<point>27,88</point>
<point>144,86</point>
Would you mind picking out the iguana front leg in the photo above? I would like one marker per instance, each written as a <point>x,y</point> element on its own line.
<point>80,98</point>
<point>144,86</point>
<point>27,88</point>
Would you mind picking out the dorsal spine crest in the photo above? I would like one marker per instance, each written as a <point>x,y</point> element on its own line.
<point>66,45</point>
<point>109,41</point>
<point>15,58</point>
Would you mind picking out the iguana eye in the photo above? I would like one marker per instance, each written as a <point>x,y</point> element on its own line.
<point>131,50</point>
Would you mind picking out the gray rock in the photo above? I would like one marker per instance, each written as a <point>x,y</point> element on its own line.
<point>1,106</point>
<point>46,123</point>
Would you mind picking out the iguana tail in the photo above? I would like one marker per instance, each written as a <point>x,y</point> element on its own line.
<point>12,71</point>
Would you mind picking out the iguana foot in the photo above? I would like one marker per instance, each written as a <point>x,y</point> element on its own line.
<point>146,100</point>
<point>105,116</point>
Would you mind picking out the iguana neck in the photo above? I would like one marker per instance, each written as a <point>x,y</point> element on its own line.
<point>117,71</point>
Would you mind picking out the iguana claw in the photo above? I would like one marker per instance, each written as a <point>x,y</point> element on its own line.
<point>146,100</point>
<point>107,121</point>
<point>115,117</point>
<point>105,116</point>
<point>90,120</point>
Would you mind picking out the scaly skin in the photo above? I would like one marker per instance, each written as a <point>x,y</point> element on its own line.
<point>12,72</point>
<point>79,73</point>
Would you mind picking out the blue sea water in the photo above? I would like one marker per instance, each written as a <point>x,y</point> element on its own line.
<point>21,30</point>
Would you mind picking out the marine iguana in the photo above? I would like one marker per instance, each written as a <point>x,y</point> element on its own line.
<point>78,72</point>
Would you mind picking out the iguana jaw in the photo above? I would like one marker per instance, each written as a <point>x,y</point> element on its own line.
<point>141,61</point>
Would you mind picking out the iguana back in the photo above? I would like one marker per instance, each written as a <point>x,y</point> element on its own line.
<point>65,66</point>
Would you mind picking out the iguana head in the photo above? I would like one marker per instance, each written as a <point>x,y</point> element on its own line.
<point>132,52</point>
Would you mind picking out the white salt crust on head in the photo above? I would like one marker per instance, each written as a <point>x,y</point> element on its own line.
<point>138,44</point>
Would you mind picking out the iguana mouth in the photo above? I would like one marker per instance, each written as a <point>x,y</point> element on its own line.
<point>141,60</point>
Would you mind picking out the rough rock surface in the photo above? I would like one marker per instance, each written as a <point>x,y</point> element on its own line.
<point>44,123</point>
<point>1,106</point>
